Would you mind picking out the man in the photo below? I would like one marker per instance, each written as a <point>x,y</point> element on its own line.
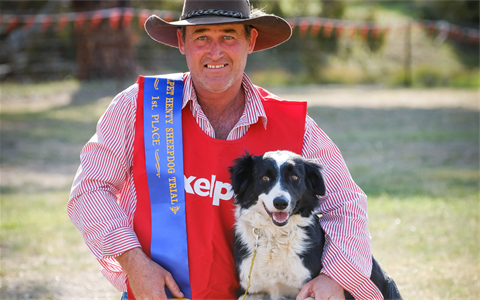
<point>232,114</point>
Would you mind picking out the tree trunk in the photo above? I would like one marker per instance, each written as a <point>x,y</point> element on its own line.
<point>103,52</point>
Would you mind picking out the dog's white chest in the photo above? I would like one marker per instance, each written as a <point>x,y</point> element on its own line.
<point>278,269</point>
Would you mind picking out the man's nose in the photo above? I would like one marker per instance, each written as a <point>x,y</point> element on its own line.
<point>216,50</point>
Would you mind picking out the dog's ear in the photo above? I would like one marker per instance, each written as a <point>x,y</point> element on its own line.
<point>241,173</point>
<point>314,178</point>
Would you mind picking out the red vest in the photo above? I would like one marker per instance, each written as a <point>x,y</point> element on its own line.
<point>209,199</point>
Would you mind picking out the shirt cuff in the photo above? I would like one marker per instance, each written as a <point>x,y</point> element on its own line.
<point>118,241</point>
<point>367,290</point>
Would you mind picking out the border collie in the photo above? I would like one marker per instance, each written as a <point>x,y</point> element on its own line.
<point>275,198</point>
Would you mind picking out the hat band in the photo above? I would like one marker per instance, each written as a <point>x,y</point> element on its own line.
<point>213,12</point>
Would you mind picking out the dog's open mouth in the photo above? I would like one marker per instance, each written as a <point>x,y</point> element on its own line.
<point>279,218</point>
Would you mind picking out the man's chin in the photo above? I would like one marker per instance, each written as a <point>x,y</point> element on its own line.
<point>216,88</point>
<point>213,85</point>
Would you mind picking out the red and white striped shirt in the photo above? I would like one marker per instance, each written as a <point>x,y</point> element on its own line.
<point>103,197</point>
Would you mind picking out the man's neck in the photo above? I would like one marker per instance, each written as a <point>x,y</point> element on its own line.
<point>223,110</point>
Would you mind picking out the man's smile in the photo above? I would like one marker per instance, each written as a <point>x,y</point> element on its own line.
<point>215,66</point>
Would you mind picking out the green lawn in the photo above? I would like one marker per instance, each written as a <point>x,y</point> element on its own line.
<point>420,168</point>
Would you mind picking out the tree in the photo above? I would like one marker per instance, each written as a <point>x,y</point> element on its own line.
<point>307,49</point>
<point>460,12</point>
<point>103,52</point>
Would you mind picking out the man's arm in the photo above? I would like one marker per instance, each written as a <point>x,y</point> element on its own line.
<point>100,204</point>
<point>103,201</point>
<point>347,256</point>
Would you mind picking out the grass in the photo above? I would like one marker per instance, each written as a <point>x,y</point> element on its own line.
<point>43,256</point>
<point>407,151</point>
<point>420,168</point>
<point>434,250</point>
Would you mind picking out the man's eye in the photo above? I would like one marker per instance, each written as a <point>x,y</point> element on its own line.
<point>202,38</point>
<point>229,37</point>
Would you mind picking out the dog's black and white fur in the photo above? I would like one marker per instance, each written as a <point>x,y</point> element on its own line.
<point>276,193</point>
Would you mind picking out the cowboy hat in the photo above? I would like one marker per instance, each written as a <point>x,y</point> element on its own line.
<point>272,30</point>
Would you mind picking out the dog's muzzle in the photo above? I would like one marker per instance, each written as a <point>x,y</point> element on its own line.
<point>279,218</point>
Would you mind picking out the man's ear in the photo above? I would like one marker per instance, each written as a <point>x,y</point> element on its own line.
<point>181,44</point>
<point>253,40</point>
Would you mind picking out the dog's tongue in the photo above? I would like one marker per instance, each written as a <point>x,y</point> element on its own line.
<point>280,217</point>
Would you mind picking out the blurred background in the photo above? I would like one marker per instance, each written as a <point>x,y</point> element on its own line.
<point>394,43</point>
<point>395,84</point>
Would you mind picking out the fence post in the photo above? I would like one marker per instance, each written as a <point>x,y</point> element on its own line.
<point>408,56</point>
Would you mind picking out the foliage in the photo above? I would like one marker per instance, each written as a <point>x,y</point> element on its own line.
<point>461,12</point>
<point>159,4</point>
<point>310,48</point>
<point>28,6</point>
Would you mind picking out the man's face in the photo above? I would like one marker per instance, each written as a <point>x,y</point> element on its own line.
<point>216,54</point>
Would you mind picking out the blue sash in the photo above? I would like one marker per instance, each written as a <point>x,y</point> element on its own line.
<point>162,114</point>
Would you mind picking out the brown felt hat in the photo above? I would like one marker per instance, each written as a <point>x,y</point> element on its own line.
<point>272,30</point>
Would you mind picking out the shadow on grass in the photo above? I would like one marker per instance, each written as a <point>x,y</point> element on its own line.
<point>42,138</point>
<point>90,91</point>
<point>56,134</point>
<point>406,152</point>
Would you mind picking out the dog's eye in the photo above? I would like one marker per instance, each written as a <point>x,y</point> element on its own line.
<point>265,178</point>
<point>293,177</point>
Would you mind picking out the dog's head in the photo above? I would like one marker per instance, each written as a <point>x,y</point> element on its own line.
<point>284,182</point>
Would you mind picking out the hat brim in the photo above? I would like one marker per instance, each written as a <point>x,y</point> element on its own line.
<point>272,30</point>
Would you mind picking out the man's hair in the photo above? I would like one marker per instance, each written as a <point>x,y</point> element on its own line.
<point>248,31</point>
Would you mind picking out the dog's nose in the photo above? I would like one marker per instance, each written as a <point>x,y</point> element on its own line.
<point>280,203</point>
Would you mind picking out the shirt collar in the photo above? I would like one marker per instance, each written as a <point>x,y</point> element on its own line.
<point>253,101</point>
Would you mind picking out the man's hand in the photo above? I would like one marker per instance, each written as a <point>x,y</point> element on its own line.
<point>321,287</point>
<point>147,279</point>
